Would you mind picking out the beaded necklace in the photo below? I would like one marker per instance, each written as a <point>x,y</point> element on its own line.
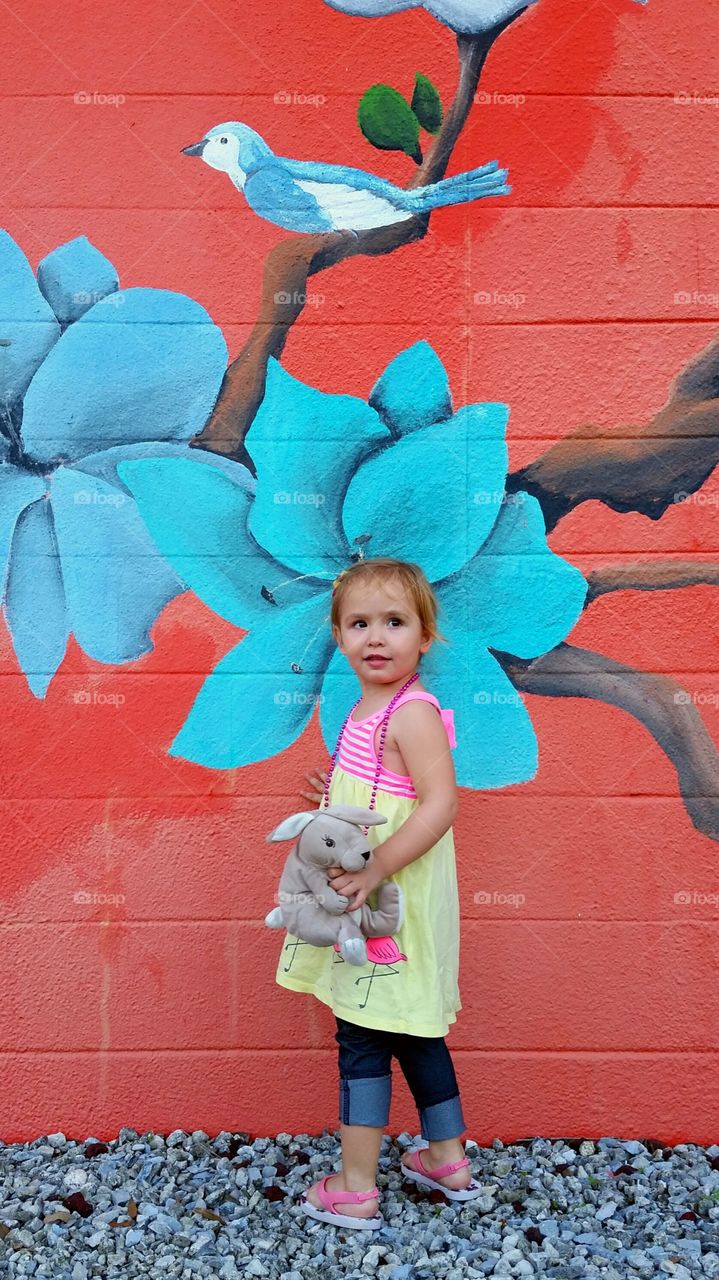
<point>383,732</point>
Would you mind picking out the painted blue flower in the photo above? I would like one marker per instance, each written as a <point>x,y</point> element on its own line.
<point>402,476</point>
<point>90,374</point>
<point>467,16</point>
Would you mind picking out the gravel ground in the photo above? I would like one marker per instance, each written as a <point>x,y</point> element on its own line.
<point>190,1205</point>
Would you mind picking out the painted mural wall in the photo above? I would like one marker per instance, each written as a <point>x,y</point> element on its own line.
<point>285,288</point>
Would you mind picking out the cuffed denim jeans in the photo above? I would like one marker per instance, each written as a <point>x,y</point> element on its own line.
<point>365,1069</point>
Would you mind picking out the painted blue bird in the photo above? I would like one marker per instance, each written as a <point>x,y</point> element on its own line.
<point>304,195</point>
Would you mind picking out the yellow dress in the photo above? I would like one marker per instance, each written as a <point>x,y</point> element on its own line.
<point>411,984</point>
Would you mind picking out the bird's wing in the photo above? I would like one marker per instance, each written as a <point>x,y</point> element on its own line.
<point>274,194</point>
<point>350,209</point>
<point>344,176</point>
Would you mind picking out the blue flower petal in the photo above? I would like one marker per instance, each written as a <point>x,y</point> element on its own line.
<point>197,515</point>
<point>74,277</point>
<point>305,446</point>
<point>516,593</point>
<point>105,463</point>
<point>143,364</point>
<point>496,743</point>
<point>413,391</point>
<point>28,328</point>
<point>116,581</point>
<point>34,605</point>
<point>18,489</point>
<point>254,705</point>
<point>433,496</point>
<point>340,690</point>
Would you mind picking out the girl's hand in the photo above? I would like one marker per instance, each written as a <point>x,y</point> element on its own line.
<point>357,883</point>
<point>319,778</point>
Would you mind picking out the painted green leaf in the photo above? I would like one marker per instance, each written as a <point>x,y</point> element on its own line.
<point>388,122</point>
<point>426,103</point>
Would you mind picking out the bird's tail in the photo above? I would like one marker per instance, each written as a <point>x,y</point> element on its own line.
<point>490,180</point>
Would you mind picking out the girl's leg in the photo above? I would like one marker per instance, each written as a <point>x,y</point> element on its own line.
<point>427,1067</point>
<point>365,1069</point>
<point>361,1145</point>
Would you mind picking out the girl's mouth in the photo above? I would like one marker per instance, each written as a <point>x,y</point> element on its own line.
<point>376,660</point>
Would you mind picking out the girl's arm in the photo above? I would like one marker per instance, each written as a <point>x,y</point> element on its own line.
<point>422,741</point>
<point>318,780</point>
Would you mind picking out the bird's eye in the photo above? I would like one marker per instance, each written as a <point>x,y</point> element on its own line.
<point>329,842</point>
<point>223,139</point>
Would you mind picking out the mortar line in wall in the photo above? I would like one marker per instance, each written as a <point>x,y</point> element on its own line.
<point>511,1052</point>
<point>167,796</point>
<point>450,327</point>
<point>585,206</point>
<point>253,920</point>
<point>248,94</point>
<point>618,322</point>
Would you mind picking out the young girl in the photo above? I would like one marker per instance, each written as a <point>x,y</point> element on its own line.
<point>393,755</point>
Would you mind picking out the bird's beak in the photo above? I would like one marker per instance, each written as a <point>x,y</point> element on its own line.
<point>195,150</point>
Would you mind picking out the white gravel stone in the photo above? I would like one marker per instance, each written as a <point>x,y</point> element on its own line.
<point>607,1210</point>
<point>171,1180</point>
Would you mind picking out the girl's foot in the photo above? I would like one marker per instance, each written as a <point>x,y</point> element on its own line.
<point>454,1181</point>
<point>368,1209</point>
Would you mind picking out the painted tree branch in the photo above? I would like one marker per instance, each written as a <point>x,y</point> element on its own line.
<point>656,575</point>
<point>293,261</point>
<point>644,469</point>
<point>656,701</point>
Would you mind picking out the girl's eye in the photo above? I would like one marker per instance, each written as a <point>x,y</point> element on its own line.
<point>359,620</point>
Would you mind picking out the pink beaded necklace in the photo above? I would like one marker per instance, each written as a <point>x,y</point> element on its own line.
<point>383,733</point>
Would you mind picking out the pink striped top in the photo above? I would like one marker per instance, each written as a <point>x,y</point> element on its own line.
<point>357,754</point>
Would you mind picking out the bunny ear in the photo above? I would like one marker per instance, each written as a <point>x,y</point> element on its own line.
<point>372,819</point>
<point>292,826</point>
<point>355,813</point>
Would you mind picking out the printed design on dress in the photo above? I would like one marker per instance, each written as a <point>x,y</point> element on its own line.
<point>382,953</point>
<point>292,945</point>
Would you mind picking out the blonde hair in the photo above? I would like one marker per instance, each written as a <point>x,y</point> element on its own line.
<point>382,570</point>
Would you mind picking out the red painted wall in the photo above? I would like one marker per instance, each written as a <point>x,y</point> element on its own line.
<point>592,1007</point>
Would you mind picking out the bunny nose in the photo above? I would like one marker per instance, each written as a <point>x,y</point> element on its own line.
<point>366,855</point>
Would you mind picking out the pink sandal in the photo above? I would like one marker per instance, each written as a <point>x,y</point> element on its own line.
<point>330,1198</point>
<point>419,1174</point>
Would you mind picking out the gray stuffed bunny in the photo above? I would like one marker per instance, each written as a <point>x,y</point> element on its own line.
<point>310,909</point>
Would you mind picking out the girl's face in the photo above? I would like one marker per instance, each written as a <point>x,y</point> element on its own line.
<point>380,633</point>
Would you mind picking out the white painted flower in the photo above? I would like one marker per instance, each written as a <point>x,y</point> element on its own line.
<point>467,16</point>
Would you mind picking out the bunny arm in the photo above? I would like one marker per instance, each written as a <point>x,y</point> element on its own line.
<point>318,884</point>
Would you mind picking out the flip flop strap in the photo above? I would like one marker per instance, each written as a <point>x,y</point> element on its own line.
<point>443,1171</point>
<point>331,1198</point>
